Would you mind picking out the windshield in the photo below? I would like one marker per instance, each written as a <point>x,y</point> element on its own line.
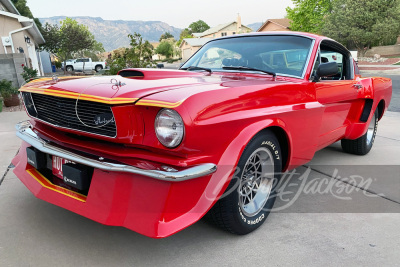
<point>284,55</point>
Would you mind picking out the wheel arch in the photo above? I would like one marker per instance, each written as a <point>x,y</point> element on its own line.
<point>283,140</point>
<point>381,108</point>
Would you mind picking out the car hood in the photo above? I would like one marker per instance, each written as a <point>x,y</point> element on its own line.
<point>120,90</point>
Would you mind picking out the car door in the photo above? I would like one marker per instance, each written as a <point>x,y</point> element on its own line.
<point>78,64</point>
<point>337,95</point>
<point>86,65</point>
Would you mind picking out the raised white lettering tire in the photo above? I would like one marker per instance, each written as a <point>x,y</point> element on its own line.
<point>250,195</point>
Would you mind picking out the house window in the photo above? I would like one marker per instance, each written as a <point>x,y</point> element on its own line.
<point>233,33</point>
<point>223,33</point>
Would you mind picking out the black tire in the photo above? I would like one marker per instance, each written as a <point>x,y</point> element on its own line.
<point>69,68</point>
<point>229,212</point>
<point>98,68</point>
<point>363,144</point>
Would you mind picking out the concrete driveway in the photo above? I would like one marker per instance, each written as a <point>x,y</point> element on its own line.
<point>356,226</point>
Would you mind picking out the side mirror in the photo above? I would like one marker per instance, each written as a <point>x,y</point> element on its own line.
<point>326,69</point>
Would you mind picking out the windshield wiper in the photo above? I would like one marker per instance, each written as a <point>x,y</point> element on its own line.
<point>197,68</point>
<point>247,68</point>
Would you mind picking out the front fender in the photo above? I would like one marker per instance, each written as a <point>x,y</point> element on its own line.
<point>217,183</point>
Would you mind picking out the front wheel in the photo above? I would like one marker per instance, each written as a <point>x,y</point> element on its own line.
<point>251,193</point>
<point>363,144</point>
<point>69,68</point>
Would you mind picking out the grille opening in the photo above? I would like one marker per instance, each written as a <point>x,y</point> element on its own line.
<point>85,116</point>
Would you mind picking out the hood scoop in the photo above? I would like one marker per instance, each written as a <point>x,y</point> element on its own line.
<point>156,74</point>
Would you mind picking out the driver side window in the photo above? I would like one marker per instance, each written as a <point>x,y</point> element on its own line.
<point>331,51</point>
<point>331,56</point>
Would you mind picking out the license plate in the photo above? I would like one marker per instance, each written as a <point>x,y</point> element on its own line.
<point>57,166</point>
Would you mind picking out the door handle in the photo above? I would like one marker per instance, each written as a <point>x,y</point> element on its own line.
<point>357,86</point>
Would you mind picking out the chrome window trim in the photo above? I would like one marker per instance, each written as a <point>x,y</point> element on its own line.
<point>318,53</point>
<point>308,59</point>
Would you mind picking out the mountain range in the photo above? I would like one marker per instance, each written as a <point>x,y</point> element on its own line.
<point>114,33</point>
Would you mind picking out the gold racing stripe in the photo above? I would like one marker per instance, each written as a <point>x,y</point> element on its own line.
<point>47,184</point>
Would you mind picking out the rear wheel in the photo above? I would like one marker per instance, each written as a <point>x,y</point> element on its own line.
<point>362,145</point>
<point>251,193</point>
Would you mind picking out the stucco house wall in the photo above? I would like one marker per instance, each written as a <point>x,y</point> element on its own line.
<point>187,50</point>
<point>11,24</point>
<point>21,48</point>
<point>229,30</point>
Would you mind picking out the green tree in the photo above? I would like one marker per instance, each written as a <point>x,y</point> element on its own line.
<point>51,33</point>
<point>25,11</point>
<point>92,52</point>
<point>166,49</point>
<point>198,26</point>
<point>139,55</point>
<point>194,27</point>
<point>362,24</point>
<point>68,39</point>
<point>185,33</point>
<point>165,36</point>
<point>308,15</point>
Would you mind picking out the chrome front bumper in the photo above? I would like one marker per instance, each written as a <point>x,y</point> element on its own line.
<point>25,132</point>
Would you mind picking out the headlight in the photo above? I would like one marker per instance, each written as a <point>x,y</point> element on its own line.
<point>169,128</point>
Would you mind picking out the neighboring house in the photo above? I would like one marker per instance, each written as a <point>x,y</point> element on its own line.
<point>275,25</point>
<point>20,39</point>
<point>190,45</point>
<point>226,29</point>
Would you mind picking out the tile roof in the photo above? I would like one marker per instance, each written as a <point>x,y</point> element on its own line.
<point>285,23</point>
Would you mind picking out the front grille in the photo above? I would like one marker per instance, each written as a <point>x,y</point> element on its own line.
<point>84,116</point>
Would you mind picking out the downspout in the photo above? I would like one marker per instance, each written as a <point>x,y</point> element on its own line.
<point>19,30</point>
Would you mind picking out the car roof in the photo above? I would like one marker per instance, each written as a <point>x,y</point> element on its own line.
<point>272,33</point>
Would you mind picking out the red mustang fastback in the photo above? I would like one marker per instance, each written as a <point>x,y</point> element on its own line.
<point>156,150</point>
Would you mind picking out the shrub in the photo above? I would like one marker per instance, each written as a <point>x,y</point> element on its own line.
<point>29,74</point>
<point>58,64</point>
<point>7,89</point>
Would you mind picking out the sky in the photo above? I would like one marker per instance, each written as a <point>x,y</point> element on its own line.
<point>177,13</point>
